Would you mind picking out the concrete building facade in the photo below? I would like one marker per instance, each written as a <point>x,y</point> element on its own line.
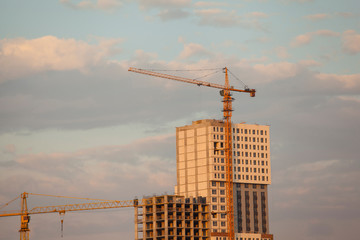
<point>201,173</point>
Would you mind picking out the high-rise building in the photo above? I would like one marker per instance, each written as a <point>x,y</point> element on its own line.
<point>201,173</point>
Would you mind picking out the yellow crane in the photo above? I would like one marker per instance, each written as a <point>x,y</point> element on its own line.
<point>61,209</point>
<point>226,90</point>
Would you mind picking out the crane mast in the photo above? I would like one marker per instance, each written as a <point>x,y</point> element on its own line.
<point>227,114</point>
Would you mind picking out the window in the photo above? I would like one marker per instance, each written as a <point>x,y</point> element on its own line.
<point>222,175</point>
<point>213,199</point>
<point>223,215</point>
<point>245,131</point>
<point>261,132</point>
<point>222,192</point>
<point>222,223</point>
<point>214,207</point>
<point>222,168</point>
<point>222,208</point>
<point>253,131</point>
<point>222,160</point>
<point>254,162</point>
<point>213,191</point>
<point>215,168</point>
<point>213,184</point>
<point>222,184</point>
<point>221,129</point>
<point>214,223</point>
<point>222,199</point>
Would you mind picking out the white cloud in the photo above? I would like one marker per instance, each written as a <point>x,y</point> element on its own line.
<point>318,16</point>
<point>307,37</point>
<point>282,52</point>
<point>229,18</point>
<point>193,49</point>
<point>23,56</point>
<point>257,15</point>
<point>147,4</point>
<point>107,5</point>
<point>351,42</point>
<point>301,40</point>
<point>277,71</point>
<point>351,81</point>
<point>310,63</point>
<point>210,4</point>
<point>172,14</point>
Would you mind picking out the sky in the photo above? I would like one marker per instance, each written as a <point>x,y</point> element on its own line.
<point>75,122</point>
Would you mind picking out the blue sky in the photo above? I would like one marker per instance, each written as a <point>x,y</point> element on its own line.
<point>74,121</point>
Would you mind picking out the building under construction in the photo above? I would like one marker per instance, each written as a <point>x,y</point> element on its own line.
<point>201,180</point>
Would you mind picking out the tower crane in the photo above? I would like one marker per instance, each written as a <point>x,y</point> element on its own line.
<point>61,209</point>
<point>226,90</point>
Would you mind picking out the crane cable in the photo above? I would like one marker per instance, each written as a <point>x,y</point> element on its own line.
<point>6,204</point>
<point>245,86</point>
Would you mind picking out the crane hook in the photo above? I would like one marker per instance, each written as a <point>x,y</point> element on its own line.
<point>62,214</point>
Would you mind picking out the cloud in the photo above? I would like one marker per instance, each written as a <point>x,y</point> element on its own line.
<point>100,169</point>
<point>310,63</point>
<point>282,52</point>
<point>351,42</point>
<point>229,18</point>
<point>107,5</point>
<point>192,50</point>
<point>170,14</point>
<point>316,17</point>
<point>277,71</point>
<point>301,40</point>
<point>306,38</point>
<point>19,57</point>
<point>210,4</point>
<point>351,81</point>
<point>9,149</point>
<point>257,15</point>
<point>148,4</point>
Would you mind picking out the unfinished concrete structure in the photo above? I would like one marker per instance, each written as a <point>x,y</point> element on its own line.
<point>201,172</point>
<point>171,217</point>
